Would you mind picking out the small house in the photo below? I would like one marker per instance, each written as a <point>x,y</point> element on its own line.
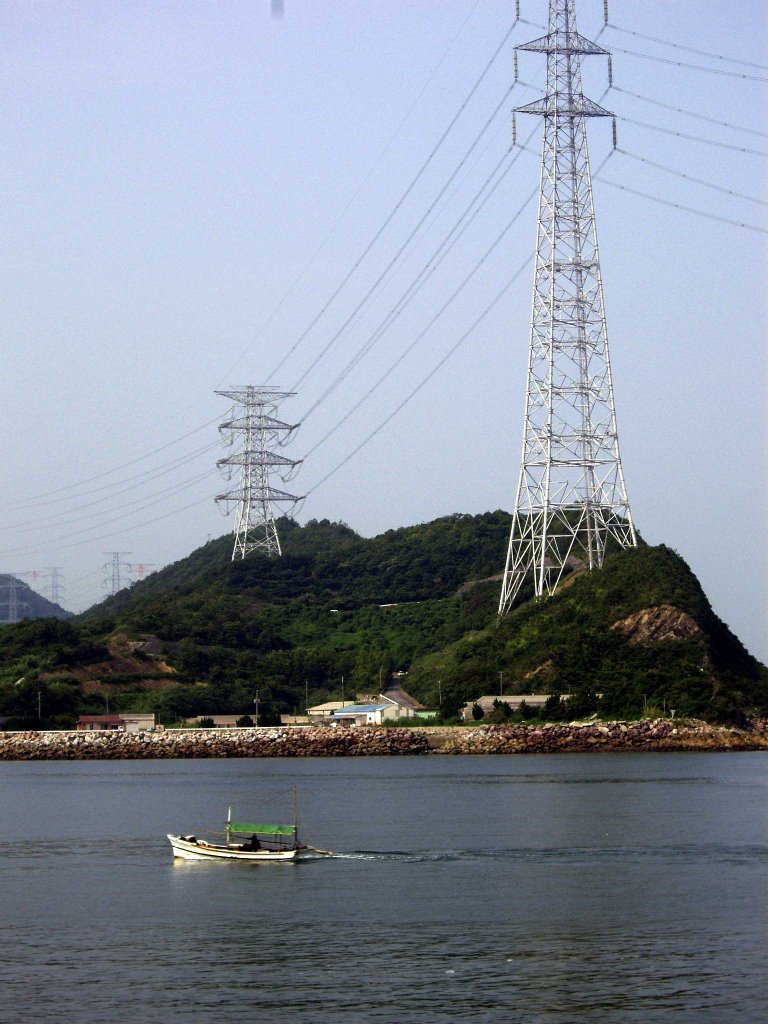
<point>322,712</point>
<point>364,714</point>
<point>96,723</point>
<point>137,722</point>
<point>513,702</point>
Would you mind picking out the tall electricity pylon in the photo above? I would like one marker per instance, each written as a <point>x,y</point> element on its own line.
<point>571,498</point>
<point>259,432</point>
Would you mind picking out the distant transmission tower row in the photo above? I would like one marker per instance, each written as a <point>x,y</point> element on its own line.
<point>571,498</point>
<point>120,574</point>
<point>12,608</point>
<point>255,433</point>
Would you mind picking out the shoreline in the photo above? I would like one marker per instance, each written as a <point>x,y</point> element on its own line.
<point>661,735</point>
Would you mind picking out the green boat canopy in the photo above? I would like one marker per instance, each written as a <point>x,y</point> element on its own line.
<point>244,827</point>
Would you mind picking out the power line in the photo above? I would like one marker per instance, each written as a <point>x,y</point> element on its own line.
<point>55,520</point>
<point>430,267</point>
<point>425,380</point>
<point>680,206</point>
<point>168,494</point>
<point>690,177</point>
<point>134,526</point>
<point>431,323</point>
<point>400,201</point>
<point>348,206</point>
<point>688,49</point>
<point>693,138</point>
<point>690,113</point>
<point>692,67</point>
<point>115,469</point>
<point>334,338</point>
<point>149,475</point>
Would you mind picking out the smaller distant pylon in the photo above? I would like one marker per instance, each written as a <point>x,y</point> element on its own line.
<point>256,432</point>
<point>55,587</point>
<point>116,572</point>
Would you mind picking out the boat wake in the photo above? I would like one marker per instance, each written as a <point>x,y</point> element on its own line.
<point>560,855</point>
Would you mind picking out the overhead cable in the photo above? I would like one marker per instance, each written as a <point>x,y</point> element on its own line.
<point>691,177</point>
<point>334,338</point>
<point>115,533</point>
<point>693,138</point>
<point>690,113</point>
<point>400,201</point>
<point>145,477</point>
<point>680,206</point>
<point>693,67</point>
<point>115,469</point>
<point>56,520</point>
<point>454,295</point>
<point>78,533</point>
<point>438,256</point>
<point>425,380</point>
<point>688,49</point>
<point>358,190</point>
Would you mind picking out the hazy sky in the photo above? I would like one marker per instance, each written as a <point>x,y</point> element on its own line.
<point>186,186</point>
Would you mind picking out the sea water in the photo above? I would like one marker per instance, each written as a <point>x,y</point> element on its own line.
<point>564,888</point>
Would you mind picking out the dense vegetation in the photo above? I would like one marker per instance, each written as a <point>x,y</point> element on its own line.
<point>420,599</point>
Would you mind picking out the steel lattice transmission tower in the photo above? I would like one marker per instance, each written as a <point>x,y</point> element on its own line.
<point>571,498</point>
<point>14,608</point>
<point>116,572</point>
<point>54,576</point>
<point>259,433</point>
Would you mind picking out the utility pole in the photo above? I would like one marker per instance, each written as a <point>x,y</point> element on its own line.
<point>258,433</point>
<point>116,571</point>
<point>571,500</point>
<point>256,702</point>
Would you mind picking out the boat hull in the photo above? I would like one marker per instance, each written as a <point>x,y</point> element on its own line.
<point>185,848</point>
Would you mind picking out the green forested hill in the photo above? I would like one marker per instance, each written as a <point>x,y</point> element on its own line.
<point>203,635</point>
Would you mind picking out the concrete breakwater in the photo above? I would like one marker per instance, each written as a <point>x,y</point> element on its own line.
<point>290,741</point>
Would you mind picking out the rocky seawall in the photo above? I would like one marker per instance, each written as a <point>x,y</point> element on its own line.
<point>661,735</point>
<point>200,743</point>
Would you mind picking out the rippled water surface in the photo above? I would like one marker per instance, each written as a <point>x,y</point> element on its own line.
<point>626,888</point>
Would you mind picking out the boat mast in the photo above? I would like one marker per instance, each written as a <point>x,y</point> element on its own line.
<point>295,818</point>
<point>229,823</point>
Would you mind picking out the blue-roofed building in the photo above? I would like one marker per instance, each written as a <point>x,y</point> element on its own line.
<point>364,714</point>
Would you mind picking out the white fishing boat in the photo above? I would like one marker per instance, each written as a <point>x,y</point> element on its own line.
<point>253,842</point>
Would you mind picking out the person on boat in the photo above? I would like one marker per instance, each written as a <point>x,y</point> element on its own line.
<point>254,844</point>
